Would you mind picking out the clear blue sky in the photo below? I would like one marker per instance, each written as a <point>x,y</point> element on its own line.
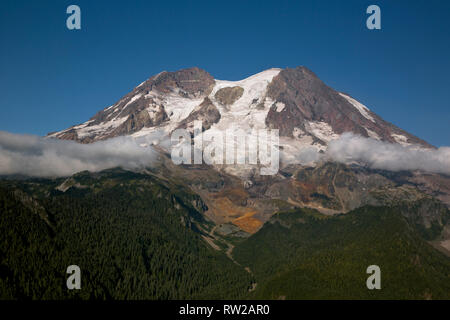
<point>52,78</point>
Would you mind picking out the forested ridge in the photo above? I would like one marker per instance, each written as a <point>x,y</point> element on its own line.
<point>135,236</point>
<point>305,255</point>
<point>132,237</point>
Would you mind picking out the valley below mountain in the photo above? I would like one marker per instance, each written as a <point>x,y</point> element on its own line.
<point>138,237</point>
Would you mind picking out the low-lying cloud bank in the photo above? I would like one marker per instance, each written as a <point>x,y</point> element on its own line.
<point>388,156</point>
<point>40,157</point>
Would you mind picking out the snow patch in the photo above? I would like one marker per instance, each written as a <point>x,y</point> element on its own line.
<point>132,100</point>
<point>322,130</point>
<point>243,113</point>
<point>302,137</point>
<point>373,134</point>
<point>280,106</point>
<point>361,108</point>
<point>100,128</point>
<point>401,139</point>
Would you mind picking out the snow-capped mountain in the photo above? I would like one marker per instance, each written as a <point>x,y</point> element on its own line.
<point>308,115</point>
<point>295,101</point>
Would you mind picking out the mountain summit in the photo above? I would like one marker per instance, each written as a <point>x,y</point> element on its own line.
<point>306,111</point>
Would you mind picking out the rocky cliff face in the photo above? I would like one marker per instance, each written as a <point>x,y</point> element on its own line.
<point>304,105</point>
<point>145,107</point>
<point>206,112</point>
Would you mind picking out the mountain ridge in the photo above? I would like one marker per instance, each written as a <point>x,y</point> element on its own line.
<point>295,101</point>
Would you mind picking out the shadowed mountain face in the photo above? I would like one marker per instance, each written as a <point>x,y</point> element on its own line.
<point>132,235</point>
<point>308,101</point>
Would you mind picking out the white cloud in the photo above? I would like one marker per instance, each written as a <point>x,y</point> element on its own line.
<point>37,156</point>
<point>43,157</point>
<point>389,156</point>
